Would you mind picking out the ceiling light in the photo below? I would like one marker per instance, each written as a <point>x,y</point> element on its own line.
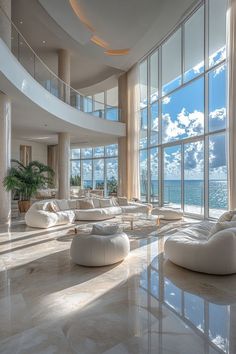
<point>21,22</point>
<point>44,42</point>
<point>113,52</point>
<point>99,41</point>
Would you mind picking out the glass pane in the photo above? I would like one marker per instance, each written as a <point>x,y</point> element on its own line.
<point>112,150</point>
<point>143,83</point>
<point>194,177</point>
<point>154,77</point>
<point>88,104</point>
<point>171,63</point>
<point>143,128</point>
<point>219,319</point>
<point>154,124</point>
<point>172,176</point>
<point>143,174</point>
<point>217,98</point>
<point>194,45</point>
<point>183,112</point>
<point>112,175</point>
<point>155,283</point>
<point>172,295</point>
<point>99,104</point>
<point>217,31</point>
<point>87,173</point>
<point>86,152</point>
<point>75,168</point>
<point>194,310</point>
<point>154,174</point>
<point>75,153</point>
<point>112,113</point>
<point>218,201</point>
<point>98,173</point>
<point>98,151</point>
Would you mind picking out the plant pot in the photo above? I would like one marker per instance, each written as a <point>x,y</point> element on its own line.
<point>23,205</point>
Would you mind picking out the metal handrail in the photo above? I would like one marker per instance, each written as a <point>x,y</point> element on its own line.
<point>64,90</point>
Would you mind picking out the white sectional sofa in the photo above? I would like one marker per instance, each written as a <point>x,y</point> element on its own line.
<point>42,215</point>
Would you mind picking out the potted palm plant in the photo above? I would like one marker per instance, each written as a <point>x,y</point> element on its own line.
<point>26,180</point>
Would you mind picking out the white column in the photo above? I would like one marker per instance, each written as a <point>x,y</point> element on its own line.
<point>5,156</point>
<point>64,73</point>
<point>231,57</point>
<point>122,142</point>
<point>64,165</point>
<point>5,24</point>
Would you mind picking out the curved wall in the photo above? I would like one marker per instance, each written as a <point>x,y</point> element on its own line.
<point>14,72</point>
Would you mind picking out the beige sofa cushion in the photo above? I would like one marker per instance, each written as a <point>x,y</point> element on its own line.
<point>105,203</point>
<point>86,204</point>
<point>123,201</point>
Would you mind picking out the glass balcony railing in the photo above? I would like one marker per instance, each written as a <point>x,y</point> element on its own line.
<point>50,81</point>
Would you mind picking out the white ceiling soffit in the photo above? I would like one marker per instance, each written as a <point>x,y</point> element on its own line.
<point>61,12</point>
<point>134,24</point>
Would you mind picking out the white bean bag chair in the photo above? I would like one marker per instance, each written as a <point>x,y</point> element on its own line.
<point>97,250</point>
<point>168,213</point>
<point>204,248</point>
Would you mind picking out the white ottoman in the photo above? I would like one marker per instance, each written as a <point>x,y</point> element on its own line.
<point>168,213</point>
<point>98,250</point>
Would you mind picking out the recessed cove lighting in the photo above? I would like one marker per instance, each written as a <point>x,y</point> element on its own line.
<point>114,52</point>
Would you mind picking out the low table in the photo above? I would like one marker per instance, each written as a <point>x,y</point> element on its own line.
<point>135,217</point>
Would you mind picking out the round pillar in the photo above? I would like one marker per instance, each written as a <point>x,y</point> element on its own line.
<point>5,24</point>
<point>64,165</point>
<point>64,74</point>
<point>5,156</point>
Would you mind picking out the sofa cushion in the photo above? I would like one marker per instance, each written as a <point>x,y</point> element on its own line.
<point>97,213</point>
<point>86,204</point>
<point>62,204</point>
<point>72,203</point>
<point>105,203</point>
<point>109,229</point>
<point>227,216</point>
<point>96,202</point>
<point>42,206</point>
<point>123,201</point>
<point>222,226</point>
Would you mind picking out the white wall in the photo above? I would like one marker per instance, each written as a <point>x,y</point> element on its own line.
<point>39,150</point>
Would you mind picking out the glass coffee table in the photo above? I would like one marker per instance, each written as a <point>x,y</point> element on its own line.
<point>135,217</point>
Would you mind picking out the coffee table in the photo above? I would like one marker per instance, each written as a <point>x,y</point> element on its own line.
<point>135,217</point>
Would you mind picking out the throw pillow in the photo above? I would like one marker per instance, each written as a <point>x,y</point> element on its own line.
<point>114,201</point>
<point>96,202</point>
<point>104,229</point>
<point>53,207</point>
<point>219,226</point>
<point>42,206</point>
<point>86,204</point>
<point>105,203</point>
<point>62,204</point>
<point>227,216</point>
<point>123,201</point>
<point>72,204</point>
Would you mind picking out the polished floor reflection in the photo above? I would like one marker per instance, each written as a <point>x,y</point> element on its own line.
<point>144,305</point>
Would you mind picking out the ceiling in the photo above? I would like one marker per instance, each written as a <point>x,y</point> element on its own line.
<point>134,24</point>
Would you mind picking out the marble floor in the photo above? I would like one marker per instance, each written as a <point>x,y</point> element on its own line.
<point>143,305</point>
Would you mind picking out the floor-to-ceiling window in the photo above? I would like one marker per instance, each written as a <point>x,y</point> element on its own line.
<point>97,168</point>
<point>183,115</point>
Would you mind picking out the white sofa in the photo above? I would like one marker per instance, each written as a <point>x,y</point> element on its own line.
<point>205,247</point>
<point>39,215</point>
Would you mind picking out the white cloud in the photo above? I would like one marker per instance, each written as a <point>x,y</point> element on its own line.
<point>166,100</point>
<point>219,113</point>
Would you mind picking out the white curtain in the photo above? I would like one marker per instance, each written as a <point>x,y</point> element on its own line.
<point>231,129</point>
<point>133,98</point>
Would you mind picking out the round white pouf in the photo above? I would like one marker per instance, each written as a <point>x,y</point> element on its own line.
<point>98,250</point>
